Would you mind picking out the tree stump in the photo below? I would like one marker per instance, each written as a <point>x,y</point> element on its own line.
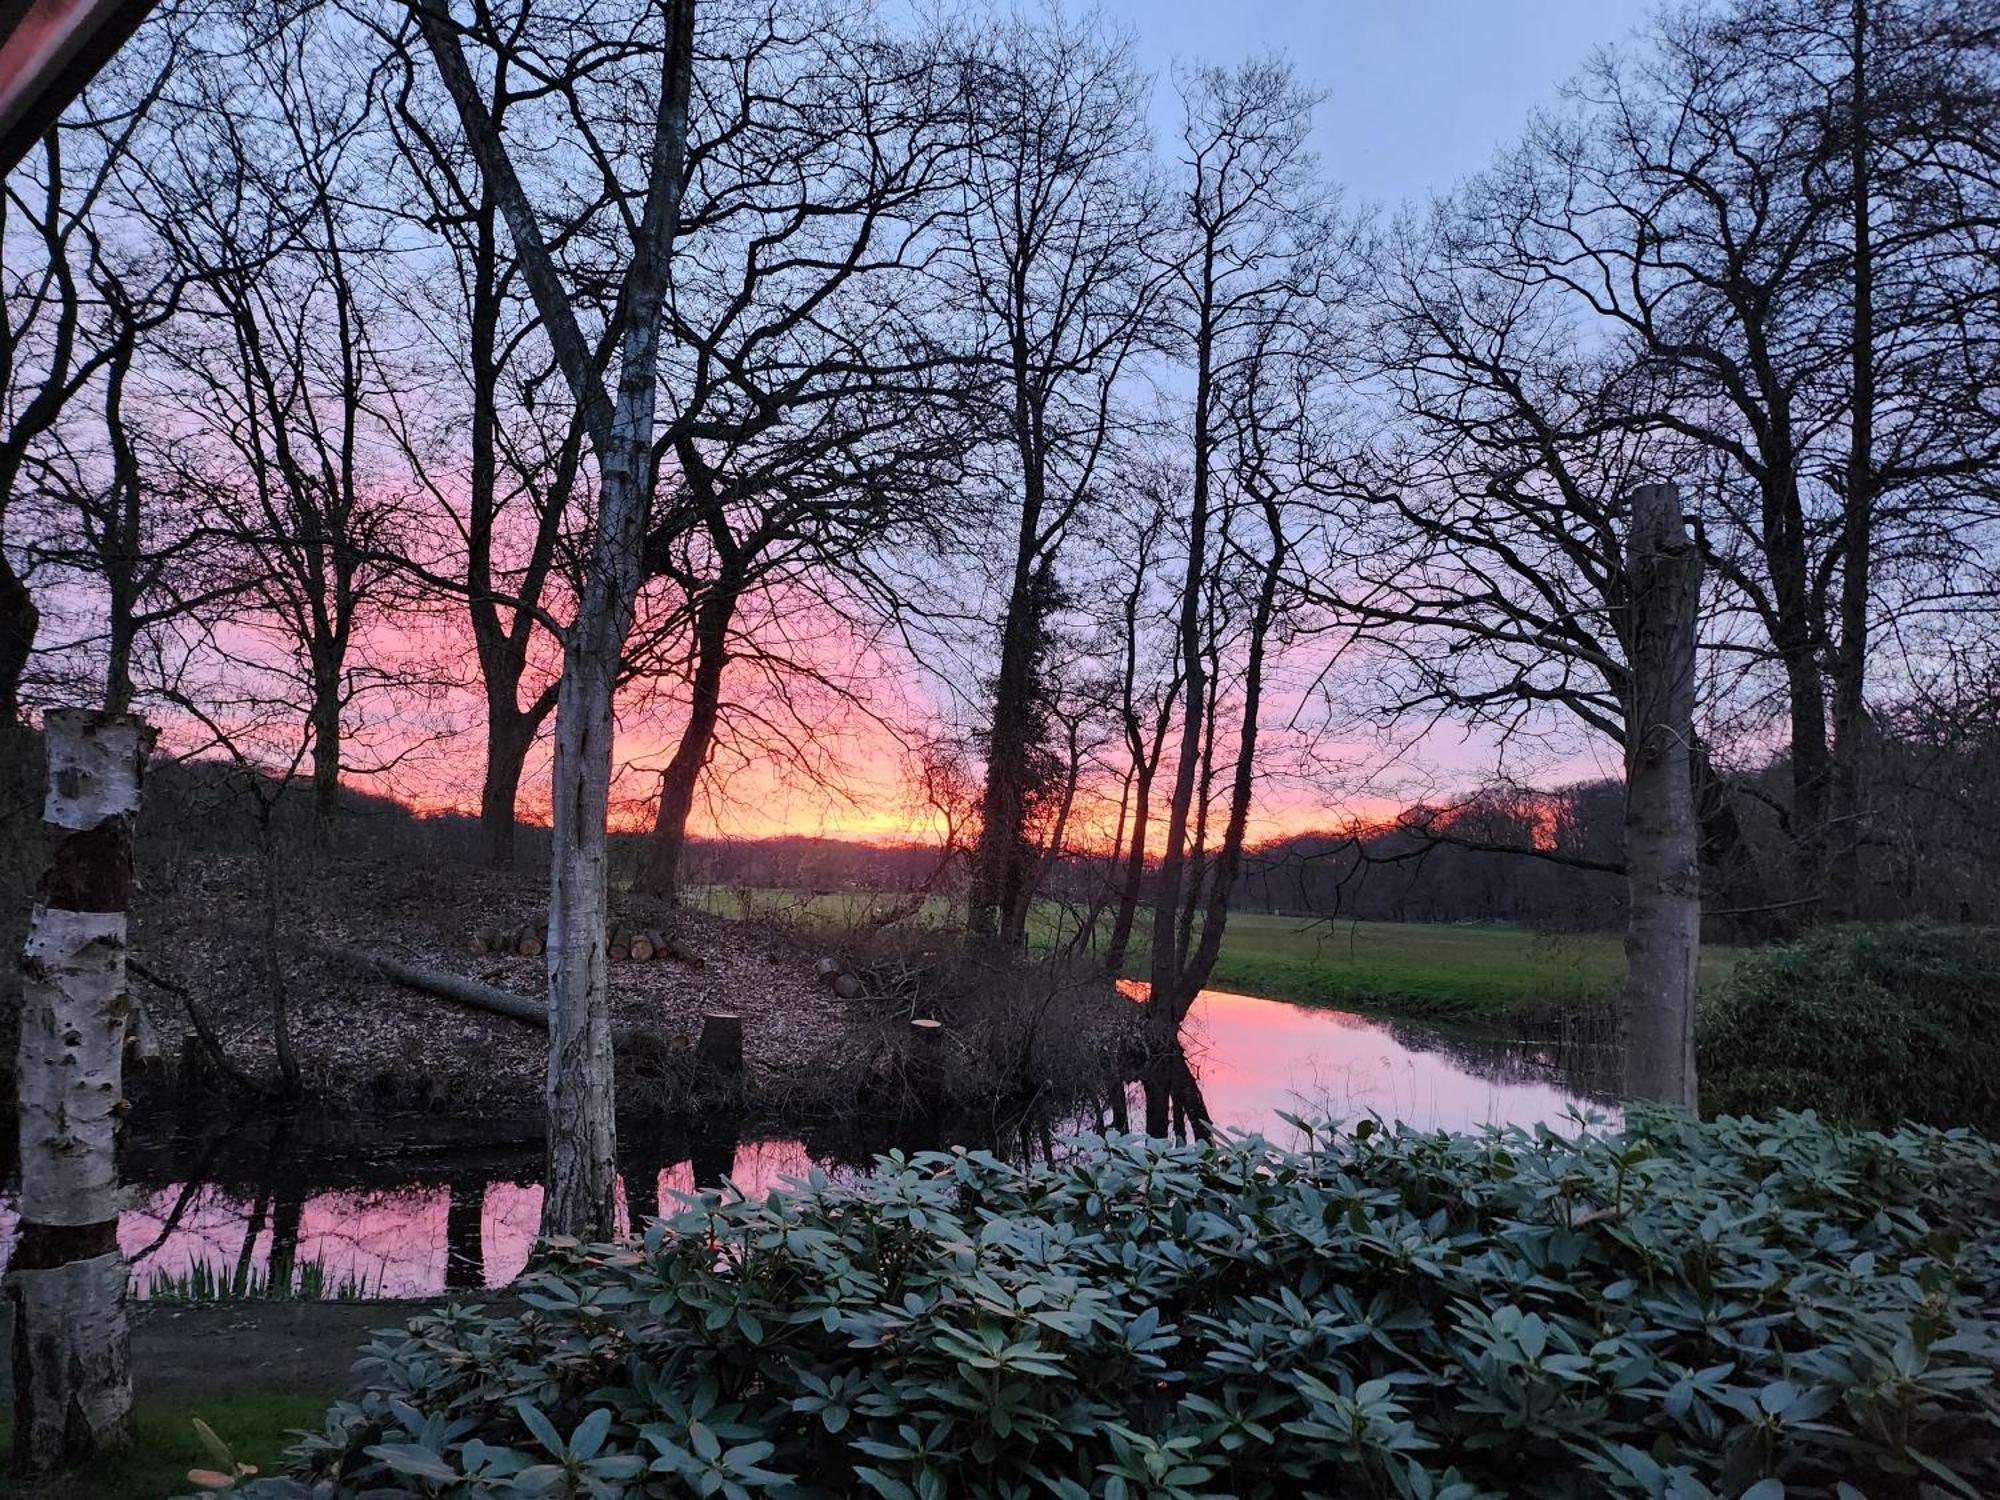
<point>720,1047</point>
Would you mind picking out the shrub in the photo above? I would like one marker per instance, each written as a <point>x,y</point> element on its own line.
<point>1675,1310</point>
<point>1869,1025</point>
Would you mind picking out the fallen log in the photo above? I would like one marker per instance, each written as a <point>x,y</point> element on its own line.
<point>453,987</point>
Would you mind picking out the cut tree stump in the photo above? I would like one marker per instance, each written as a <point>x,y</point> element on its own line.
<point>720,1048</point>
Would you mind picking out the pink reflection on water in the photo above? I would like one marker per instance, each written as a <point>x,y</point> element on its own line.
<point>1256,1057</point>
<point>371,1242</point>
<point>508,1221</point>
<point>1252,1058</point>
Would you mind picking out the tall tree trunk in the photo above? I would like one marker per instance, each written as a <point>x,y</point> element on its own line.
<point>18,621</point>
<point>1229,859</point>
<point>1135,873</point>
<point>580,1198</point>
<point>1167,882</point>
<point>661,875</point>
<point>581,1192</point>
<point>66,1285</point>
<point>1850,657</point>
<point>1662,840</point>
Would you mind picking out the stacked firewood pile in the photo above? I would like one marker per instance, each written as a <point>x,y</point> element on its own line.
<point>640,945</point>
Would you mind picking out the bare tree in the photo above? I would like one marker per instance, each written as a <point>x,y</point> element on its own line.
<point>1057,210</point>
<point>1711,208</point>
<point>817,414</point>
<point>73,295</point>
<point>1508,576</point>
<point>500,457</point>
<point>1261,265</point>
<point>638,63</point>
<point>281,354</point>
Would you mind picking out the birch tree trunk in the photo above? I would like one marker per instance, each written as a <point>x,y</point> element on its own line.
<point>1662,834</point>
<point>72,1372</point>
<point>580,1197</point>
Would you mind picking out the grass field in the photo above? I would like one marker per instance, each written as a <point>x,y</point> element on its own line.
<point>1441,971</point>
<point>256,1425</point>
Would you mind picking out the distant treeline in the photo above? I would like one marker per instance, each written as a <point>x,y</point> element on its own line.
<point>1546,858</point>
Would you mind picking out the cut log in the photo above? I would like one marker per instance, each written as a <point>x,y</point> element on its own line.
<point>529,944</point>
<point>619,945</point>
<point>849,986</point>
<point>827,970</point>
<point>720,1048</point>
<point>467,992</point>
<point>455,987</point>
<point>642,947</point>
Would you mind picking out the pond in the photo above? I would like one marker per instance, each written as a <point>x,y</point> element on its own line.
<point>381,1210</point>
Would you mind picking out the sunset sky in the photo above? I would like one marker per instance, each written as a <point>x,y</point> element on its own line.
<point>1392,134</point>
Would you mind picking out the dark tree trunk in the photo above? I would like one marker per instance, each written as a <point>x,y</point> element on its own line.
<point>509,735</point>
<point>661,875</point>
<point>1135,873</point>
<point>18,621</point>
<point>1850,658</point>
<point>326,752</point>
<point>998,856</point>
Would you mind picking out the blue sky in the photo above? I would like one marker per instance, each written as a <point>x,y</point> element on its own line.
<point>1419,93</point>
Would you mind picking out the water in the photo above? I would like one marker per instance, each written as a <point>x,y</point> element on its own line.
<point>418,1218</point>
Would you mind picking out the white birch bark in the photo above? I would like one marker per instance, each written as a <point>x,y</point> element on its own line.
<point>579,1197</point>
<point>73,1383</point>
<point>1662,864</point>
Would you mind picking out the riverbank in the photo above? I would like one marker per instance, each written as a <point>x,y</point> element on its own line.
<point>1444,973</point>
<point>1459,974</point>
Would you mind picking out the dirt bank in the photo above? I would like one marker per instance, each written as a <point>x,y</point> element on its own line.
<point>368,1044</point>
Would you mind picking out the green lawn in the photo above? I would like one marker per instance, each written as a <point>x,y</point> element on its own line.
<point>1420,968</point>
<point>255,1424</point>
<point>1437,970</point>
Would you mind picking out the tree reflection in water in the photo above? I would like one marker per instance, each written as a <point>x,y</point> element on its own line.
<point>413,1212</point>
